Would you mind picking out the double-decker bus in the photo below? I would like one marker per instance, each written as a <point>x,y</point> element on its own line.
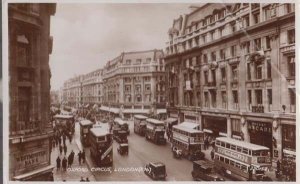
<point>85,126</point>
<point>155,131</point>
<point>140,124</point>
<point>101,148</point>
<point>234,158</point>
<point>123,125</point>
<point>65,123</point>
<point>188,140</point>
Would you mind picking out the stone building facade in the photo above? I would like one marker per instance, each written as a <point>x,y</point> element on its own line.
<point>92,88</point>
<point>231,68</point>
<point>30,130</point>
<point>72,92</point>
<point>134,83</point>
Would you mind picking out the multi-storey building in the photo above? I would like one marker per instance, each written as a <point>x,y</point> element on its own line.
<point>30,130</point>
<point>54,97</point>
<point>72,92</point>
<point>231,68</point>
<point>134,84</point>
<point>92,88</point>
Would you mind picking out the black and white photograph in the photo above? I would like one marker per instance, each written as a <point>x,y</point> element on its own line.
<point>140,91</point>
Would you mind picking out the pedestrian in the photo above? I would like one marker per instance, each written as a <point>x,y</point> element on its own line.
<point>278,165</point>
<point>64,164</point>
<point>250,173</point>
<point>87,179</point>
<point>81,179</point>
<point>79,157</point>
<point>69,160</point>
<point>60,148</point>
<point>83,156</point>
<point>59,139</point>
<point>70,138</point>
<point>58,163</point>
<point>65,149</point>
<point>212,154</point>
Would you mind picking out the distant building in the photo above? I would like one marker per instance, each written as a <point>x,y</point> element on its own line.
<point>231,68</point>
<point>134,83</point>
<point>72,92</point>
<point>30,130</point>
<point>54,97</point>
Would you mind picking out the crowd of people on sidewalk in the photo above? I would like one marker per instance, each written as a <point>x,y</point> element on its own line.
<point>286,169</point>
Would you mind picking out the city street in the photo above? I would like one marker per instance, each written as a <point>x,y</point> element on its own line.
<point>141,152</point>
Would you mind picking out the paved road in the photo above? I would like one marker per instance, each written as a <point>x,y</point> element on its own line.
<point>142,152</point>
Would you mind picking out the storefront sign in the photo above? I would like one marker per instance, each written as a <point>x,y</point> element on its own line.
<point>31,159</point>
<point>232,154</point>
<point>259,127</point>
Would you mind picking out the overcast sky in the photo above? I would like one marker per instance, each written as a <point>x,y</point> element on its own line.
<point>86,36</point>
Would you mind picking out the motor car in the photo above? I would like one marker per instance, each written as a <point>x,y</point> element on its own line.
<point>203,170</point>
<point>121,136</point>
<point>123,149</point>
<point>156,170</point>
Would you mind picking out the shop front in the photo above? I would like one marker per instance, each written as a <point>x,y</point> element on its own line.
<point>215,126</point>
<point>261,134</point>
<point>289,141</point>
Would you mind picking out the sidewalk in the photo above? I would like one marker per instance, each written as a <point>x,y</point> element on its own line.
<point>76,171</point>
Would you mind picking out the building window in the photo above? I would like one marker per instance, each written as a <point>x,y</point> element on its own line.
<point>269,69</point>
<point>292,96</point>
<point>138,61</point>
<point>235,97</point>
<point>128,62</point>
<point>223,74</point>
<point>24,99</point>
<point>128,88</point>
<point>259,97</point>
<point>246,21</point>
<point>258,70</point>
<point>291,66</point>
<point>213,56</point>
<point>204,38</point>
<point>249,97</point>
<point>147,98</point>
<point>268,42</point>
<point>221,30</point>
<point>205,77</point>
<point>233,27</point>
<point>148,60</point>
<point>147,87</point>
<point>256,18</point>
<point>137,88</point>
<point>291,36</point>
<point>213,95</point>
<point>290,7</point>
<point>204,58</point>
<point>138,98</point>
<point>233,51</point>
<point>249,71</point>
<point>35,8</point>
<point>234,72</point>
<point>198,78</point>
<point>270,100</point>
<point>224,99</point>
<point>289,137</point>
<point>247,47</point>
<point>198,99</point>
<point>257,44</point>
<point>212,33</point>
<point>206,99</point>
<point>236,126</point>
<point>221,14</point>
<point>222,54</point>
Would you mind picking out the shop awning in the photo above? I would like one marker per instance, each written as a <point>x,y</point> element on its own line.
<point>114,110</point>
<point>207,131</point>
<point>104,108</point>
<point>161,111</point>
<point>34,173</point>
<point>171,120</point>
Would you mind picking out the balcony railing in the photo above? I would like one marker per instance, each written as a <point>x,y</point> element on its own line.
<point>258,108</point>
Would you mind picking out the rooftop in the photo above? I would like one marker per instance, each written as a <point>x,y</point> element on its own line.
<point>99,131</point>
<point>242,143</point>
